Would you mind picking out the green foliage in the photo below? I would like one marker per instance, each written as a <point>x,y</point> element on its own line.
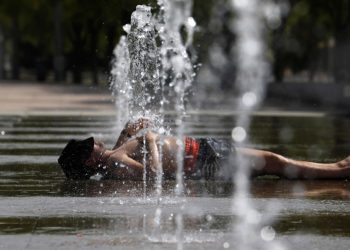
<point>90,30</point>
<point>308,27</point>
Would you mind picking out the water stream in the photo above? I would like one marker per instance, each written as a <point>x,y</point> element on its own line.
<point>157,77</point>
<point>252,72</point>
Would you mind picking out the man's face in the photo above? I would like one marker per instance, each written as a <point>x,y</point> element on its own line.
<point>98,150</point>
<point>99,146</point>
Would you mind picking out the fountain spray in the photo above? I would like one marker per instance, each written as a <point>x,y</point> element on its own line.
<point>120,82</point>
<point>252,75</point>
<point>160,75</point>
<point>177,71</point>
<point>176,66</point>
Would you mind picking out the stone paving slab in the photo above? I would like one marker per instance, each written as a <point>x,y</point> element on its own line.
<point>23,98</point>
<point>31,98</point>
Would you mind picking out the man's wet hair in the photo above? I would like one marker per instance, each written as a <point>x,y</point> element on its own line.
<point>73,158</point>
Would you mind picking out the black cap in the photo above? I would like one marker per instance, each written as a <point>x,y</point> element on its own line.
<point>74,156</point>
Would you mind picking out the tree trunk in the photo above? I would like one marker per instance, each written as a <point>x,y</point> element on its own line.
<point>111,40</point>
<point>58,63</point>
<point>77,71</point>
<point>78,56</point>
<point>2,54</point>
<point>93,50</point>
<point>15,48</point>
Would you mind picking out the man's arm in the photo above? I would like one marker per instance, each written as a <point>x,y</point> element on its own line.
<point>125,167</point>
<point>123,137</point>
<point>151,143</point>
<point>131,129</point>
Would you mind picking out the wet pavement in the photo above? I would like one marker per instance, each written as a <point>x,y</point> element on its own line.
<point>29,97</point>
<point>39,209</point>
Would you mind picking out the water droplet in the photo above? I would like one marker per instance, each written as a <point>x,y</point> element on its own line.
<point>126,28</point>
<point>226,245</point>
<point>239,134</point>
<point>249,99</point>
<point>298,189</point>
<point>251,48</point>
<point>273,14</point>
<point>286,134</point>
<point>268,233</point>
<point>241,4</point>
<point>191,22</point>
<point>209,217</point>
<point>3,132</point>
<point>253,216</point>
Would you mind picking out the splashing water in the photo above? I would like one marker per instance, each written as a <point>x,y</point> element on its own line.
<point>252,73</point>
<point>144,73</point>
<point>120,83</point>
<point>157,76</point>
<point>177,75</point>
<point>135,72</point>
<point>177,71</point>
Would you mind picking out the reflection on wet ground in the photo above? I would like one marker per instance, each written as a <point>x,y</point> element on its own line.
<point>39,208</point>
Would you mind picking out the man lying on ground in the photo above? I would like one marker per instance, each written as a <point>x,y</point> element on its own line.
<point>206,158</point>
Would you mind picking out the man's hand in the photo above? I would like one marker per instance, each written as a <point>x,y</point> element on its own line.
<point>132,128</point>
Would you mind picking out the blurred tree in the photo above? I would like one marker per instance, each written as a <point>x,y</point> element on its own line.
<point>61,34</point>
<point>308,26</point>
<point>21,20</point>
<point>36,37</point>
<point>339,12</point>
<point>2,53</point>
<point>79,36</point>
<point>92,31</point>
<point>9,19</point>
<point>205,14</point>
<point>58,61</point>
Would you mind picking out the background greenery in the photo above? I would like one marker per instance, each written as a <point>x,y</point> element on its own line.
<point>61,38</point>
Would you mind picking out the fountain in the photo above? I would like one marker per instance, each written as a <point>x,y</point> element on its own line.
<point>147,71</point>
<point>151,77</point>
<point>135,68</point>
<point>252,75</point>
<point>176,75</point>
<point>157,76</point>
<point>120,83</point>
<point>177,70</point>
<point>250,53</point>
<point>144,69</point>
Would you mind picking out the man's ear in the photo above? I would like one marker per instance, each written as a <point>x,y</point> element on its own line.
<point>89,161</point>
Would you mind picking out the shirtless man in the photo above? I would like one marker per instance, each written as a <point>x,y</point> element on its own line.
<point>203,158</point>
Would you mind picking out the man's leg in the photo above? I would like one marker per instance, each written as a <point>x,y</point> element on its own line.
<point>268,163</point>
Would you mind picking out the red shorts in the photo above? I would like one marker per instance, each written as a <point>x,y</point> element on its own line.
<point>191,155</point>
